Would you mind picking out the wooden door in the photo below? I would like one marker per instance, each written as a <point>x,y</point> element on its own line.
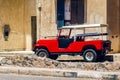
<point>77,11</point>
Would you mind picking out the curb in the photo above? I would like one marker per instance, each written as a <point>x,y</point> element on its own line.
<point>58,72</point>
<point>10,53</point>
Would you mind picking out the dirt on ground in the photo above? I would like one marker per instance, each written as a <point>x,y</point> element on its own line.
<point>30,61</point>
<point>34,61</point>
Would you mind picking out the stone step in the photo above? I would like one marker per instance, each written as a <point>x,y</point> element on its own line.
<point>113,57</point>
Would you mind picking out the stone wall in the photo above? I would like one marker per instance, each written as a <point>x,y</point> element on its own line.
<point>47,18</point>
<point>29,10</point>
<point>11,12</point>
<point>96,11</point>
<point>106,11</point>
<point>16,13</point>
<point>113,19</point>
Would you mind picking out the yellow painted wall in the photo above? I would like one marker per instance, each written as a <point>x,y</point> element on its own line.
<point>29,10</point>
<point>11,12</point>
<point>17,14</point>
<point>96,11</point>
<point>47,18</point>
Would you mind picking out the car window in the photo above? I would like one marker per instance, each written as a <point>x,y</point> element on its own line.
<point>74,32</point>
<point>65,32</point>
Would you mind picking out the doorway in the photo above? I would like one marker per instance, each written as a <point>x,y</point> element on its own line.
<point>70,12</point>
<point>77,11</point>
<point>34,29</point>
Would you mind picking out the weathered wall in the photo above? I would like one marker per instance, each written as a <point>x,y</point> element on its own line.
<point>17,14</point>
<point>29,10</point>
<point>113,19</point>
<point>47,18</point>
<point>96,11</point>
<point>106,11</point>
<point>11,12</point>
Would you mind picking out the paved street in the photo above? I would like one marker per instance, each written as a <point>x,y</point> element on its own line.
<point>29,77</point>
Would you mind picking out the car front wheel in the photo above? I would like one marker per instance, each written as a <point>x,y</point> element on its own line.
<point>42,53</point>
<point>90,55</point>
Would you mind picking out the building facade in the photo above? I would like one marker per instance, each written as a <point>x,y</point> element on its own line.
<point>22,22</point>
<point>16,14</point>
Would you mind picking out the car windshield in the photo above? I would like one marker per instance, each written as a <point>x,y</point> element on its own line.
<point>65,32</point>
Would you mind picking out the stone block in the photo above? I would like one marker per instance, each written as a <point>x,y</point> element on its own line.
<point>70,74</point>
<point>116,57</point>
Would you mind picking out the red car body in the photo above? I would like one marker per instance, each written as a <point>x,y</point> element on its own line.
<point>77,46</point>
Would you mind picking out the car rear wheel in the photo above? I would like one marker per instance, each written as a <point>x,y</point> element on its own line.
<point>90,55</point>
<point>42,53</point>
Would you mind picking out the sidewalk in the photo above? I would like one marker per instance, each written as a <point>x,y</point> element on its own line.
<point>58,72</point>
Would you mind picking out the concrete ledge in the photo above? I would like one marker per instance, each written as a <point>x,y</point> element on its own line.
<point>8,53</point>
<point>113,57</point>
<point>57,72</point>
<point>116,57</point>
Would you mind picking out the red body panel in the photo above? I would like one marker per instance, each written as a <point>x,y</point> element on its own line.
<point>53,45</point>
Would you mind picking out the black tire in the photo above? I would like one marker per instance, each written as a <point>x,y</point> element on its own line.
<point>42,53</point>
<point>90,55</point>
<point>54,57</point>
<point>36,50</point>
<point>101,58</point>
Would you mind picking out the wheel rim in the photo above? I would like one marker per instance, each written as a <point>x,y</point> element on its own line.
<point>42,54</point>
<point>89,56</point>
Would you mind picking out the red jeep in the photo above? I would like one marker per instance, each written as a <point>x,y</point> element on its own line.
<point>89,41</point>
